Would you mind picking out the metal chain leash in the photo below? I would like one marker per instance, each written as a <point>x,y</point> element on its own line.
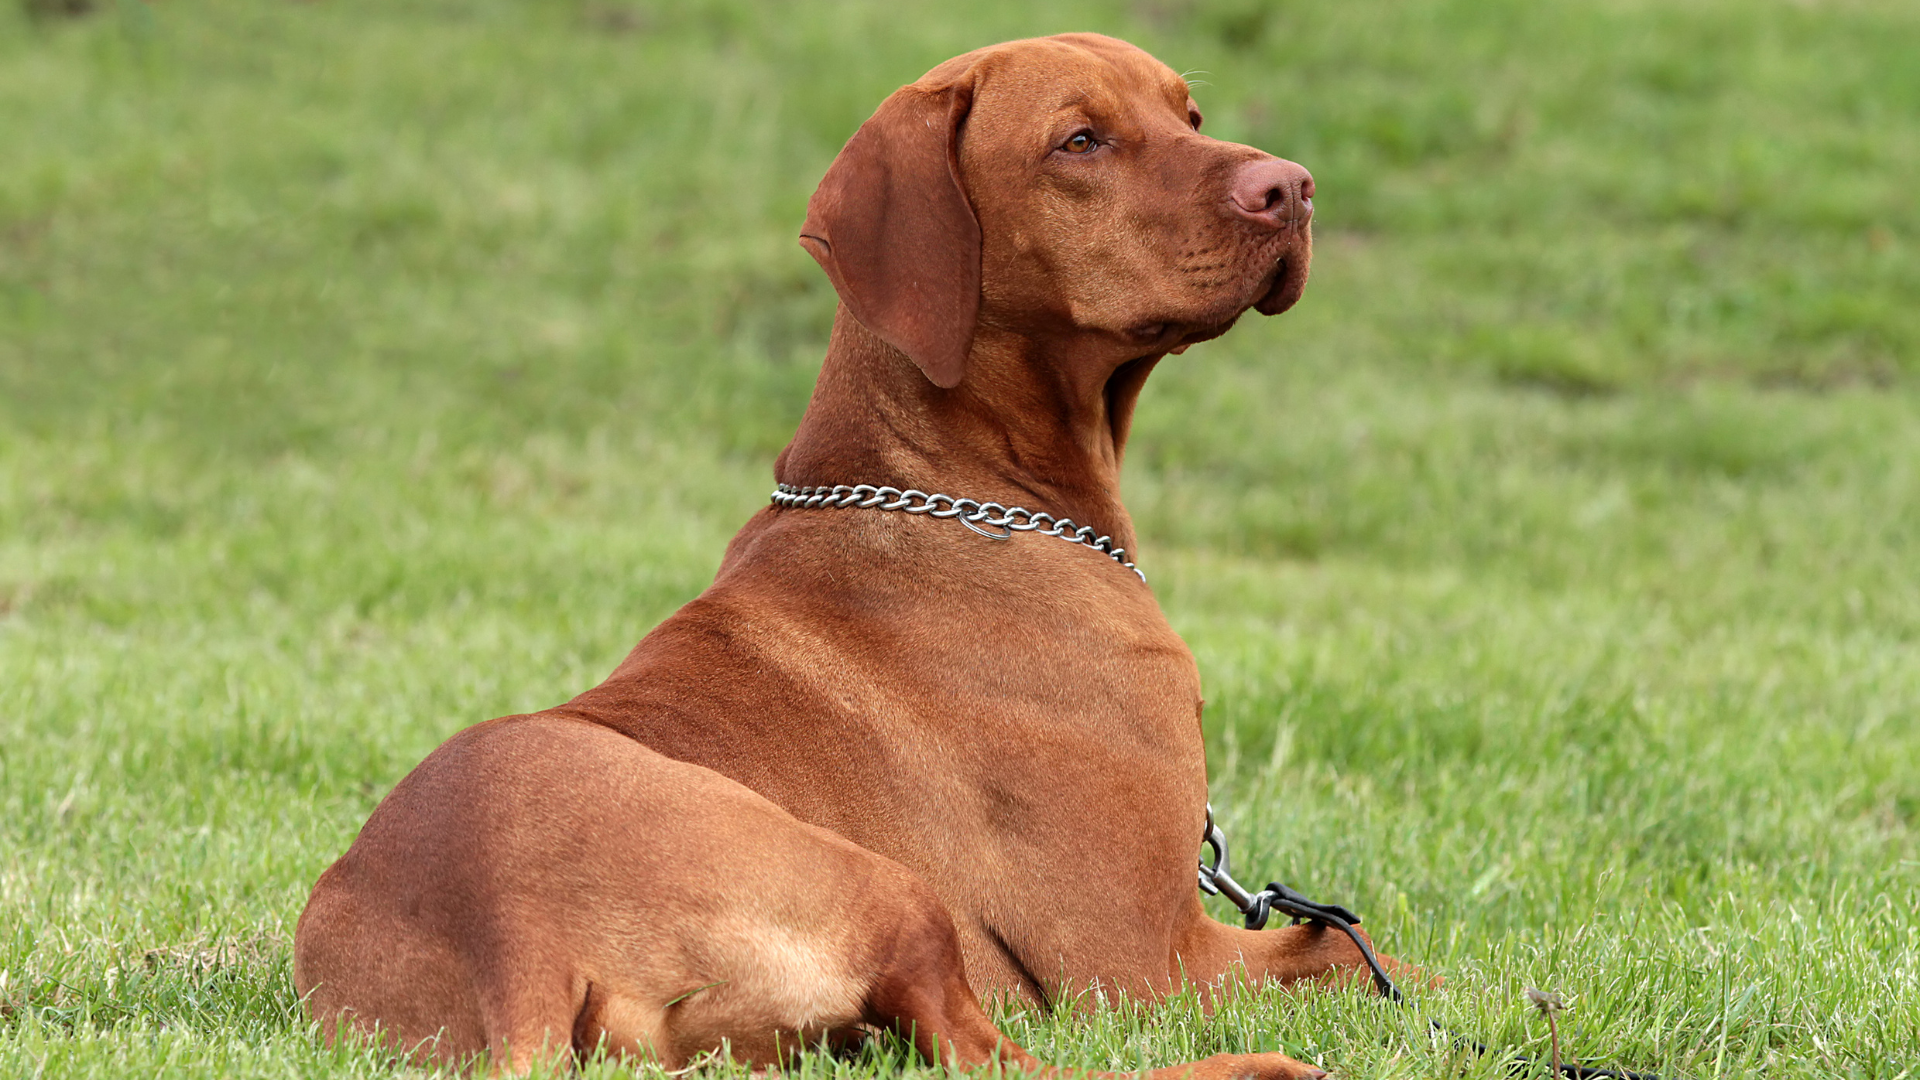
<point>981,517</point>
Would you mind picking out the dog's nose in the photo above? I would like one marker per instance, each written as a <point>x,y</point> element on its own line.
<point>1275,192</point>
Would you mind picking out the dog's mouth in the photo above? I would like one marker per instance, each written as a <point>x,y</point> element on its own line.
<point>1279,289</point>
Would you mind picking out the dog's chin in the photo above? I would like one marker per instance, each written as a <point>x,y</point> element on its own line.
<point>1289,281</point>
<point>1174,335</point>
<point>1204,333</point>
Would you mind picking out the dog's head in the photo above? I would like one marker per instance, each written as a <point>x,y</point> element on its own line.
<point>1055,187</point>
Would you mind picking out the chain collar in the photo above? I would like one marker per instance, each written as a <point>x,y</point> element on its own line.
<point>978,516</point>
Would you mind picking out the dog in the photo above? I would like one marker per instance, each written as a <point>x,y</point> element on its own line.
<point>913,746</point>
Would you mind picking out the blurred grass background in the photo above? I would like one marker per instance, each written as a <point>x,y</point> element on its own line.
<point>368,370</point>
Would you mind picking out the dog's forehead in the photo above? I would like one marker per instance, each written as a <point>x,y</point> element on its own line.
<point>1086,72</point>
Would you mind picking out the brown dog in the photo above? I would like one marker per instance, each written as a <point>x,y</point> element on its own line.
<point>1008,733</point>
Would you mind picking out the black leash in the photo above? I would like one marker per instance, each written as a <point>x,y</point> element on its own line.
<point>1216,879</point>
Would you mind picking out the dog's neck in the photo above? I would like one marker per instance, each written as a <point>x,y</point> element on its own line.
<point>1030,424</point>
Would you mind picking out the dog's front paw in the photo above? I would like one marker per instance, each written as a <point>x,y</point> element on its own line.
<point>1316,954</point>
<point>1262,1067</point>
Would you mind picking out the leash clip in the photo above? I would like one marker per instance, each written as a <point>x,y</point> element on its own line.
<point>1216,879</point>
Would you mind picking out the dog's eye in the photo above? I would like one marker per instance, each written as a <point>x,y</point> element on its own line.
<point>1081,143</point>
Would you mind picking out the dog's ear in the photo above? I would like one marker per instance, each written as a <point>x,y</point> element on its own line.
<point>890,224</point>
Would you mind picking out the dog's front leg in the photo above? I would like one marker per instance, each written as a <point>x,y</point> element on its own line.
<point>1207,953</point>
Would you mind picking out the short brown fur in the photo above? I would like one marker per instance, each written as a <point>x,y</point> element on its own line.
<point>882,764</point>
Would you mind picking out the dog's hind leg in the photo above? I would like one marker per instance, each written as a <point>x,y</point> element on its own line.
<point>620,1026</point>
<point>921,992</point>
<point>533,1011</point>
<point>361,966</point>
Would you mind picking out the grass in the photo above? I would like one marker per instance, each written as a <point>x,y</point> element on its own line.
<point>368,370</point>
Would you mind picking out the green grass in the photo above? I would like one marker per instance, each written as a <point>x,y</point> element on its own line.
<point>368,370</point>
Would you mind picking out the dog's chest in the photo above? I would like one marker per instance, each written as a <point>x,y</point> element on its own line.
<point>932,697</point>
